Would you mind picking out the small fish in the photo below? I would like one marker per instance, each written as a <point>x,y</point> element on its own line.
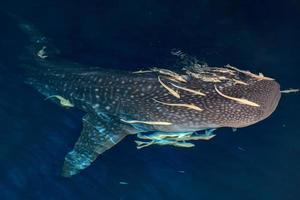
<point>241,148</point>
<point>189,90</point>
<point>289,91</point>
<point>162,142</point>
<point>173,92</point>
<point>190,106</point>
<point>239,82</point>
<point>239,100</point>
<point>63,102</point>
<point>258,77</point>
<point>42,53</point>
<point>123,183</point>
<point>147,122</point>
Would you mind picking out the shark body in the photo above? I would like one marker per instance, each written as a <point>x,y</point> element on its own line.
<point>172,104</point>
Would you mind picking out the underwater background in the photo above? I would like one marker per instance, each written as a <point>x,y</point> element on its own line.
<point>257,162</point>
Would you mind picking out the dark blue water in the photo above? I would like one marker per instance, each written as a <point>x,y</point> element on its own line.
<point>257,162</point>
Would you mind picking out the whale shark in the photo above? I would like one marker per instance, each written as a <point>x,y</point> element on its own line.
<point>159,105</point>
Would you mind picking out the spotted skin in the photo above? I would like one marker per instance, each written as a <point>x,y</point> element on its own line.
<point>114,98</point>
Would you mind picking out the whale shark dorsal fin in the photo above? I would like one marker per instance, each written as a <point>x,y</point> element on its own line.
<point>96,137</point>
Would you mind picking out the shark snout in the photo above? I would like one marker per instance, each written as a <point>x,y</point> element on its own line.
<point>268,94</point>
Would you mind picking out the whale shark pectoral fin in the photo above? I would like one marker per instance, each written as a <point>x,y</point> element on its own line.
<point>96,137</point>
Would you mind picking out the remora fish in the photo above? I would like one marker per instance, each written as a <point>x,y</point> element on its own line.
<point>173,104</point>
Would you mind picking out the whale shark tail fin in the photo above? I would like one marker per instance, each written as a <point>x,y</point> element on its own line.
<point>41,63</point>
<point>42,56</point>
<point>40,47</point>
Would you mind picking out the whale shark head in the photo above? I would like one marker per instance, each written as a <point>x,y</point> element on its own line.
<point>266,95</point>
<point>233,97</point>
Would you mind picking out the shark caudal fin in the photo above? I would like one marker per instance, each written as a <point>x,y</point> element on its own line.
<point>36,61</point>
<point>42,65</point>
<point>40,47</point>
